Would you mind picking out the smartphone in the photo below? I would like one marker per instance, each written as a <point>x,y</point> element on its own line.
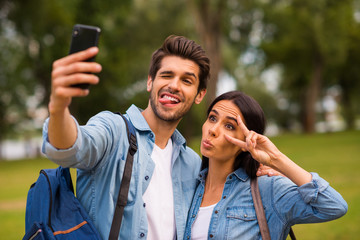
<point>84,37</point>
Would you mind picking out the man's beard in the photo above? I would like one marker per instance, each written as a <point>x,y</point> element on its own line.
<point>166,116</point>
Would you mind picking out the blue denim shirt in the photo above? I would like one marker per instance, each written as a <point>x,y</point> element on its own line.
<point>99,153</point>
<point>285,204</point>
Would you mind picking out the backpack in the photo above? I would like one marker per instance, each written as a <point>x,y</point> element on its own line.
<point>54,213</point>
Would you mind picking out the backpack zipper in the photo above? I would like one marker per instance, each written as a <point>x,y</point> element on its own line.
<point>50,205</point>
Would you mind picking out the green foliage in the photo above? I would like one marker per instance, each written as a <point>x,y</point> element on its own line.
<point>310,40</point>
<point>293,33</point>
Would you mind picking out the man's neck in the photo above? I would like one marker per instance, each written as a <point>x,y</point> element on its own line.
<point>162,129</point>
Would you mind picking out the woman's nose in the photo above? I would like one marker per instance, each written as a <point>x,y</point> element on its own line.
<point>213,131</point>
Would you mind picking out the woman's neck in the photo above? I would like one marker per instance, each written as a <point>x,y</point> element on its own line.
<point>214,183</point>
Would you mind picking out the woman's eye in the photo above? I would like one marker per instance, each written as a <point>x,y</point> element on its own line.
<point>212,118</point>
<point>229,126</point>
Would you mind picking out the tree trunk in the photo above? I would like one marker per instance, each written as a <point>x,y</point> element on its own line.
<point>208,24</point>
<point>311,96</point>
<point>348,109</point>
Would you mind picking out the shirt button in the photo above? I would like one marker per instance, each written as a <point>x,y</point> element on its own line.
<point>200,195</point>
<point>142,234</point>
<point>151,135</point>
<point>230,177</point>
<point>144,204</point>
<point>193,215</point>
<point>211,236</point>
<point>216,212</point>
<point>224,197</point>
<point>245,215</point>
<point>146,178</point>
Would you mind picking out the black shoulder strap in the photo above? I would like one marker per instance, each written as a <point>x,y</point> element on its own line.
<point>125,182</point>
<point>260,214</point>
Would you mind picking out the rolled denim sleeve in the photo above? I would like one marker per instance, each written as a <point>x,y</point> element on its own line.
<point>310,191</point>
<point>326,201</point>
<point>95,140</point>
<point>62,157</point>
<point>312,202</point>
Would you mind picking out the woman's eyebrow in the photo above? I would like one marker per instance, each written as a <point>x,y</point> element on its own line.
<point>232,118</point>
<point>214,111</point>
<point>228,117</point>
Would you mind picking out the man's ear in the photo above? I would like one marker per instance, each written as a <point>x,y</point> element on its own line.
<point>200,96</point>
<point>149,84</point>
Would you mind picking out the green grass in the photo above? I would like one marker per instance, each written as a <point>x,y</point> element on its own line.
<point>335,156</point>
<point>15,180</point>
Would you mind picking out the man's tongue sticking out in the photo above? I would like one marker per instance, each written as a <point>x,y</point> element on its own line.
<point>167,99</point>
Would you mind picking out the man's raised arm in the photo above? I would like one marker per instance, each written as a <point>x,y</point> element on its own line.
<point>67,71</point>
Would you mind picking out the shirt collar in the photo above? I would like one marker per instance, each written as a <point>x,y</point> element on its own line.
<point>239,173</point>
<point>139,122</point>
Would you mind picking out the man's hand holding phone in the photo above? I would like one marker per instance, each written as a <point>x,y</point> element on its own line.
<point>67,73</point>
<point>72,74</point>
<point>70,70</point>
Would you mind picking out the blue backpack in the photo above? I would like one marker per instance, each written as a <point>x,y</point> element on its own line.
<point>53,212</point>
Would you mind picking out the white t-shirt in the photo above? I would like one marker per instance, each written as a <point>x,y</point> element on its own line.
<point>200,227</point>
<point>159,198</point>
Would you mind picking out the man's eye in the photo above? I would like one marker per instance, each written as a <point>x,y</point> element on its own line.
<point>187,81</point>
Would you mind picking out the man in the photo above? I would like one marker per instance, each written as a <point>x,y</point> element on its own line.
<point>164,171</point>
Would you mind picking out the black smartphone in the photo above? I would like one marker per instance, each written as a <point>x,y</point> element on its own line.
<point>84,37</point>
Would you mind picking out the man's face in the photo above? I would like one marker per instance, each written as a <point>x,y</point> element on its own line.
<point>175,88</point>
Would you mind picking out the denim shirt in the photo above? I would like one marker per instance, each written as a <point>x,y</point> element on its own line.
<point>100,152</point>
<point>285,204</point>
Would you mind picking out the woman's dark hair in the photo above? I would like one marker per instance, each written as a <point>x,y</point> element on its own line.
<point>254,120</point>
<point>184,48</point>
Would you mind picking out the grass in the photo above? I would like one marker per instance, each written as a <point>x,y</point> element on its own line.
<point>335,156</point>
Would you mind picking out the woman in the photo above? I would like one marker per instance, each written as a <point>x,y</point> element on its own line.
<point>233,147</point>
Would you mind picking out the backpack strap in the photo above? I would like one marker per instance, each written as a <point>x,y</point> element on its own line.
<point>260,213</point>
<point>125,182</point>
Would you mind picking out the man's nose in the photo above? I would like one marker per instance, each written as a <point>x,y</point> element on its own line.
<point>174,84</point>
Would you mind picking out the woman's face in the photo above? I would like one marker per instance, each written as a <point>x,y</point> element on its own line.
<point>221,121</point>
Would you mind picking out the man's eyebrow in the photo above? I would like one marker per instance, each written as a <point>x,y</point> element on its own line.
<point>166,72</point>
<point>191,74</point>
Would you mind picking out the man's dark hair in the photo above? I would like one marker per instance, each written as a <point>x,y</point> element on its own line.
<point>254,120</point>
<point>184,48</point>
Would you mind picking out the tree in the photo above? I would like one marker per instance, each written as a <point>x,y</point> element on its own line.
<point>349,78</point>
<point>308,38</point>
<point>15,84</point>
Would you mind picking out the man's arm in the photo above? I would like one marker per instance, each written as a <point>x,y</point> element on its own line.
<point>67,71</point>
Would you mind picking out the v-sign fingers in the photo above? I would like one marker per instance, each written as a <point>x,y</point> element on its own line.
<point>242,126</point>
<point>236,141</point>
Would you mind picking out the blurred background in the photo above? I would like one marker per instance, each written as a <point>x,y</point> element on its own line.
<point>298,58</point>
